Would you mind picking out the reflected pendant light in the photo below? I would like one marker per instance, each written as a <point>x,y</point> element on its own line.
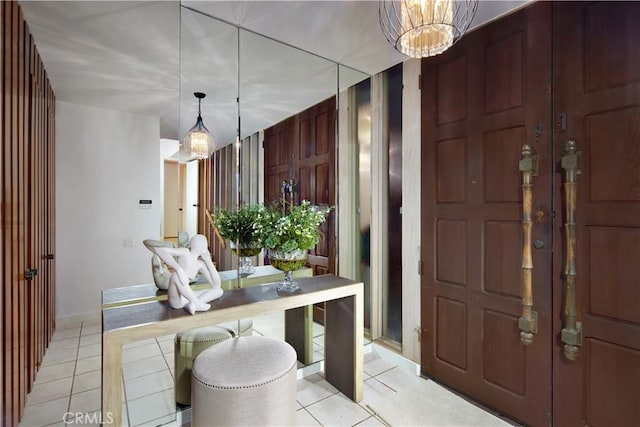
<point>198,143</point>
<point>422,28</point>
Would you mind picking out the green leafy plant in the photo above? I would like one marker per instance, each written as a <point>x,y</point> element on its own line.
<point>238,225</point>
<point>288,227</point>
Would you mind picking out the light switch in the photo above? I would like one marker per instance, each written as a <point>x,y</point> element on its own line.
<point>145,203</point>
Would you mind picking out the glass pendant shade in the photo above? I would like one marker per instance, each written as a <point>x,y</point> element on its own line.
<point>423,28</point>
<point>198,142</point>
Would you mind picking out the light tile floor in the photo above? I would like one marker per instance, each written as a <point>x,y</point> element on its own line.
<point>67,386</point>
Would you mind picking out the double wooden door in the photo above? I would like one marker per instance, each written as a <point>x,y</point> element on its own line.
<point>545,75</point>
<point>300,154</point>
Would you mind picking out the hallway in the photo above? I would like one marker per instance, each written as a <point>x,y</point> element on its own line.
<point>69,383</point>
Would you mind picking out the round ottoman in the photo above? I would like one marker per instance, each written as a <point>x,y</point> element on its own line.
<point>245,381</point>
<point>188,345</point>
<point>246,327</point>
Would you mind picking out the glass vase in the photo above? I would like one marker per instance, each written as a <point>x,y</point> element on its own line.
<point>244,252</point>
<point>288,262</point>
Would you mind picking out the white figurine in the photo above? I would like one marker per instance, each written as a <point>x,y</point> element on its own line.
<point>186,263</point>
<point>160,273</point>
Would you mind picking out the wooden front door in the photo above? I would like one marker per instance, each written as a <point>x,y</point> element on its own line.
<point>482,101</point>
<point>502,86</point>
<point>597,90</point>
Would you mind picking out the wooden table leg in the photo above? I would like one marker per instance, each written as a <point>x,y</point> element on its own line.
<point>111,381</point>
<point>343,335</point>
<point>298,331</point>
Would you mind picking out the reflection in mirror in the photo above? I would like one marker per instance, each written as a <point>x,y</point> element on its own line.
<point>278,81</point>
<point>349,77</point>
<point>363,131</point>
<point>355,93</point>
<point>206,45</point>
<point>278,85</point>
<point>269,85</point>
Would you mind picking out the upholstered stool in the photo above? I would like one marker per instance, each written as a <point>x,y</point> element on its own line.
<point>245,381</point>
<point>246,327</point>
<point>188,345</point>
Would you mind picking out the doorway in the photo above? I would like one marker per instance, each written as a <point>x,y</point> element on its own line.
<point>173,199</point>
<point>180,191</point>
<point>505,85</point>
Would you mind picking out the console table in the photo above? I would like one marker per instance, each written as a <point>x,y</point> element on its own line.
<point>229,280</point>
<point>344,329</point>
<point>298,323</point>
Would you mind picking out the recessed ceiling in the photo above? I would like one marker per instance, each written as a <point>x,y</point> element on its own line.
<point>149,57</point>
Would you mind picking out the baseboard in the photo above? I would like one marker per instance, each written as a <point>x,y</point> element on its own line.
<point>396,358</point>
<point>85,317</point>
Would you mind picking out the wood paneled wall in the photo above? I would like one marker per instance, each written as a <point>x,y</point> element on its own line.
<point>28,203</point>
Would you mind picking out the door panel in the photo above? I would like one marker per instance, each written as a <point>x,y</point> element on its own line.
<point>277,148</point>
<point>597,87</point>
<point>302,148</point>
<point>482,101</point>
<point>315,175</point>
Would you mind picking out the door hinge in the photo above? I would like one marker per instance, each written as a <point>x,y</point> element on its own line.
<point>419,81</point>
<point>420,268</point>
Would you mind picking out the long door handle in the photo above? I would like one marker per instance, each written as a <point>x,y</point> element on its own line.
<point>528,322</point>
<point>572,332</point>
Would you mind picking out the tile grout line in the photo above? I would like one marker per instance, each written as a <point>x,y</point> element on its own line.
<point>304,408</point>
<point>378,416</point>
<point>75,367</point>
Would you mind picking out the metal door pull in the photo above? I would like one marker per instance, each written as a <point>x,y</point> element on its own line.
<point>571,334</point>
<point>528,322</point>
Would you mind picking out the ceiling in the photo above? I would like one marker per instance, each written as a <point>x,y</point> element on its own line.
<point>148,57</point>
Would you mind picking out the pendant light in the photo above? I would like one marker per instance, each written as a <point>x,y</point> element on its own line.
<point>422,28</point>
<point>198,143</point>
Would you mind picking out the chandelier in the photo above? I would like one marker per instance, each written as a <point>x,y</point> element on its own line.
<point>198,143</point>
<point>422,28</point>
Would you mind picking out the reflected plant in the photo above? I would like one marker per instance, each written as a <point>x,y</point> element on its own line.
<point>239,225</point>
<point>287,227</point>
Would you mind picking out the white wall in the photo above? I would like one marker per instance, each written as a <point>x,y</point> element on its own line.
<point>106,161</point>
<point>190,189</point>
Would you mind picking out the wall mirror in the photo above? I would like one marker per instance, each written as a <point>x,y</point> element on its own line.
<point>273,81</point>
